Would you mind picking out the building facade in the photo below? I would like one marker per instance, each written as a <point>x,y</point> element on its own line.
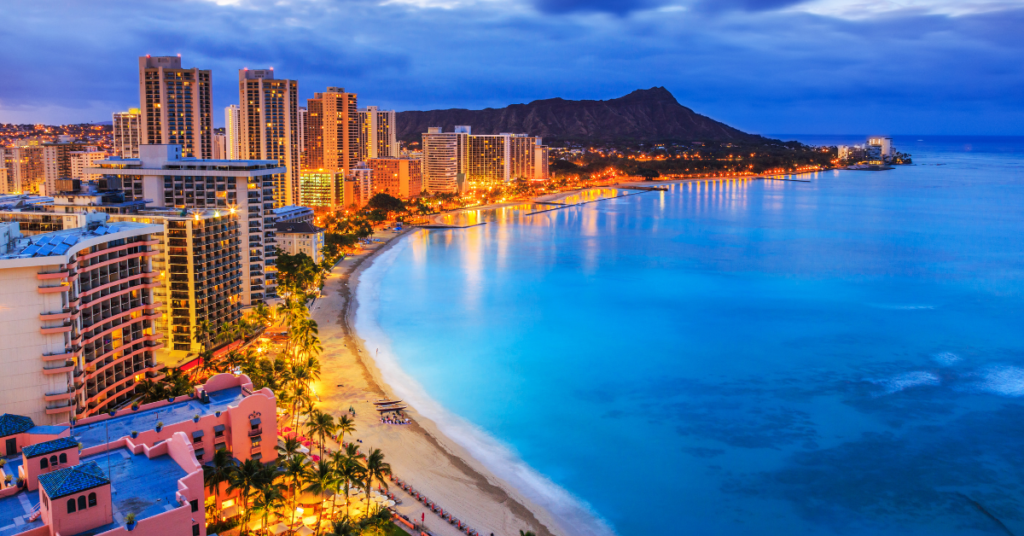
<point>270,127</point>
<point>127,133</point>
<point>293,214</point>
<point>220,146</point>
<point>332,131</point>
<point>399,177</point>
<point>295,238</point>
<point>92,331</point>
<point>163,178</point>
<point>233,130</point>
<point>81,160</point>
<point>199,263</point>
<point>445,160</point>
<point>175,106</point>
<point>377,136</point>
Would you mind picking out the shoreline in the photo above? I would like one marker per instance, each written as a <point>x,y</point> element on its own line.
<point>419,452</point>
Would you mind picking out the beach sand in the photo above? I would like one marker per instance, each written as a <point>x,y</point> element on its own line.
<point>418,453</point>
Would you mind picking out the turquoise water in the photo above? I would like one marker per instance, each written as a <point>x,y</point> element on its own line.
<point>839,356</point>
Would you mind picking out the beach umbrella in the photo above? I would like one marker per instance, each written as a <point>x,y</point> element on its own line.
<point>279,528</point>
<point>304,531</point>
<point>311,520</point>
<point>255,524</point>
<point>390,503</point>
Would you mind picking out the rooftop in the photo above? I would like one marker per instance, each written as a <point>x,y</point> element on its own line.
<point>297,228</point>
<point>97,433</point>
<point>71,480</point>
<point>140,485</point>
<point>11,424</point>
<point>46,447</point>
<point>15,511</point>
<point>59,242</point>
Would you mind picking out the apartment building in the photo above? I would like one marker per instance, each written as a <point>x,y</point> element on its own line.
<point>77,311</point>
<point>332,131</point>
<point>127,133</point>
<point>363,179</point>
<point>80,160</point>
<point>270,127</point>
<point>220,146</point>
<point>175,106</point>
<point>164,178</point>
<point>233,130</point>
<point>295,238</point>
<point>400,177</point>
<point>377,136</point>
<point>445,160</point>
<point>199,262</point>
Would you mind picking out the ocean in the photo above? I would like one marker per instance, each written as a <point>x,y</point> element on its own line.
<point>838,356</point>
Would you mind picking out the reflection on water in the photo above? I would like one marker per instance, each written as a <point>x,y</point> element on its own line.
<point>834,354</point>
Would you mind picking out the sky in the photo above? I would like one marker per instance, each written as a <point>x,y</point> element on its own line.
<point>764,66</point>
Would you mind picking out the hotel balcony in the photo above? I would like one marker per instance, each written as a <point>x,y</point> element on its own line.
<point>68,366</point>
<point>65,327</point>
<point>53,290</point>
<point>52,275</point>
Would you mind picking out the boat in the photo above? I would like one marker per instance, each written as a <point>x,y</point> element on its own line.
<point>386,402</point>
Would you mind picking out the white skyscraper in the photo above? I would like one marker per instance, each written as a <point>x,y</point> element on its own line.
<point>233,127</point>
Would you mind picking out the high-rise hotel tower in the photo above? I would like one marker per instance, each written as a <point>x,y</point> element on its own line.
<point>377,137</point>
<point>332,131</point>
<point>175,105</point>
<point>270,127</point>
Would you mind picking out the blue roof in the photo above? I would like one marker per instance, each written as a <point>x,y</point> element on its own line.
<point>46,447</point>
<point>126,421</point>
<point>73,479</point>
<point>14,424</point>
<point>47,430</point>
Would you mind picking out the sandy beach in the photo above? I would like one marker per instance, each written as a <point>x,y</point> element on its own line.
<point>418,453</point>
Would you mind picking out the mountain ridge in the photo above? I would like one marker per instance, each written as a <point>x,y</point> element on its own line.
<point>643,115</point>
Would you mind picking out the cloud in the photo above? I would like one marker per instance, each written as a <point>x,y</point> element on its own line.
<point>765,66</point>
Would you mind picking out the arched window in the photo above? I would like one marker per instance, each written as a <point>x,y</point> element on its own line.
<point>92,500</point>
<point>63,457</point>
<point>53,461</point>
<point>71,506</point>
<point>43,464</point>
<point>81,502</point>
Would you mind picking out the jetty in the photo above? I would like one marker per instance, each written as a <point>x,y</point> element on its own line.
<point>643,188</point>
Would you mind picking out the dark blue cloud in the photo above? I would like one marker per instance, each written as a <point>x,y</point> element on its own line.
<point>760,69</point>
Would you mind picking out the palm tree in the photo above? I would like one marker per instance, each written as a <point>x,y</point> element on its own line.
<point>262,314</point>
<point>218,470</point>
<point>526,533</point>
<point>321,425</point>
<point>290,447</point>
<point>268,499</point>
<point>320,479</point>
<point>244,479</point>
<point>349,470</point>
<point>345,527</point>
<point>345,426</point>
<point>376,468</point>
<point>295,469</point>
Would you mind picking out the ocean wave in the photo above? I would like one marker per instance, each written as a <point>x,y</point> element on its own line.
<point>908,380</point>
<point>574,514</point>
<point>1003,380</point>
<point>946,358</point>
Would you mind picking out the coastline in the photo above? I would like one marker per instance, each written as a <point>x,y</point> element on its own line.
<point>419,453</point>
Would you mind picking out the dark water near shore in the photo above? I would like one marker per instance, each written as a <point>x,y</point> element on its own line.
<point>844,356</point>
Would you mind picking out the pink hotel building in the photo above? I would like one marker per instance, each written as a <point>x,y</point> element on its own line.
<point>88,477</point>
